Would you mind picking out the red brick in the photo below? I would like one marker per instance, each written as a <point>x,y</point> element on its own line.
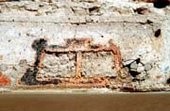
<point>4,80</point>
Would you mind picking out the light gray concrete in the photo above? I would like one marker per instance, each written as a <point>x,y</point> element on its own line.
<point>23,22</point>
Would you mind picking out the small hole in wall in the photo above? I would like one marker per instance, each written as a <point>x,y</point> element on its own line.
<point>94,9</point>
<point>141,10</point>
<point>157,33</point>
<point>157,3</point>
<point>161,3</point>
<point>149,21</point>
<point>168,81</point>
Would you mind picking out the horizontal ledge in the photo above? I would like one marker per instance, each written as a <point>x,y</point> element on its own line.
<point>77,101</point>
<point>83,19</point>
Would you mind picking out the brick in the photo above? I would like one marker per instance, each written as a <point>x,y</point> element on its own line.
<point>4,80</point>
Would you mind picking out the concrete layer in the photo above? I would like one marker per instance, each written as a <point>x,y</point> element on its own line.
<point>139,35</point>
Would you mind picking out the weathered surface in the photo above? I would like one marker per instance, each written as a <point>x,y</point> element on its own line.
<point>140,31</point>
<point>4,81</point>
<point>95,64</point>
<point>61,64</point>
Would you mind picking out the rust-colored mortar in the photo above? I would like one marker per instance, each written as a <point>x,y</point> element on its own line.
<point>78,47</point>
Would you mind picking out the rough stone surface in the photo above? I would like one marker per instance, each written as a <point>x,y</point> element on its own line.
<point>98,64</point>
<point>139,29</point>
<point>59,65</point>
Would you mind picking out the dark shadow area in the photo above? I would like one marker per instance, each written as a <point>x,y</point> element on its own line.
<point>29,78</point>
<point>141,10</point>
<point>157,33</point>
<point>168,81</point>
<point>135,73</point>
<point>39,45</point>
<point>161,3</point>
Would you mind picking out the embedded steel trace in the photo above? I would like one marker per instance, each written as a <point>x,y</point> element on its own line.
<point>78,47</point>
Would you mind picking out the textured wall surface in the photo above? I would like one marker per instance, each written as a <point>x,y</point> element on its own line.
<point>139,30</point>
